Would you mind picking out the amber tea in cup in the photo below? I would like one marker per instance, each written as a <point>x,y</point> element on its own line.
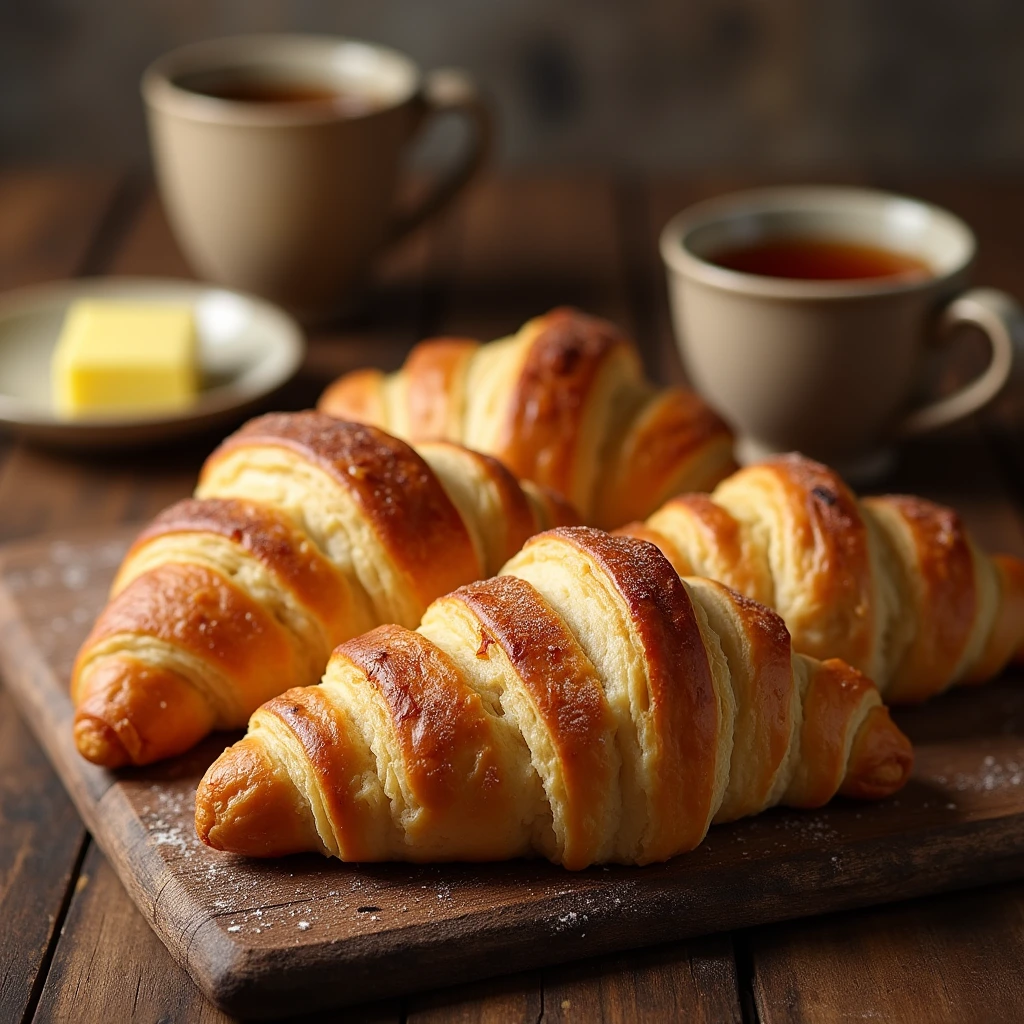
<point>821,259</point>
<point>347,100</point>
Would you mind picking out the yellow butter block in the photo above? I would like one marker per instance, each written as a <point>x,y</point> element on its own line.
<point>125,358</point>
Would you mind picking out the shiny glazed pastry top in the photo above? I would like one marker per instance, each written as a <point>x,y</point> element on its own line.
<point>304,531</point>
<point>562,402</point>
<point>895,585</point>
<point>586,706</point>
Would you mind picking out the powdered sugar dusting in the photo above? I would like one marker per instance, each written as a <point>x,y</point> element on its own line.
<point>169,820</point>
<point>61,591</point>
<point>992,774</point>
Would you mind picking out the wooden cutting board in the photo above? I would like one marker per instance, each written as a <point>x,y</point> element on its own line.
<point>266,938</point>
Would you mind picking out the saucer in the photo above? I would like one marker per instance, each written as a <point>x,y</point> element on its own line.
<point>247,349</point>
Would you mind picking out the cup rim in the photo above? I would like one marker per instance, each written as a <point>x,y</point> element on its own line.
<point>161,92</point>
<point>678,257</point>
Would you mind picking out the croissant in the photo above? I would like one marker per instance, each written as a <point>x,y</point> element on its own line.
<point>894,585</point>
<point>304,531</point>
<point>586,705</point>
<point>563,402</point>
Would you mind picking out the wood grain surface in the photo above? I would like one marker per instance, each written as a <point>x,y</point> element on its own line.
<point>48,227</point>
<point>594,243</point>
<point>900,953</point>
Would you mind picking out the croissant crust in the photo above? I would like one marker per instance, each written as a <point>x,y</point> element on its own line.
<point>894,584</point>
<point>587,705</point>
<point>305,531</point>
<point>563,403</point>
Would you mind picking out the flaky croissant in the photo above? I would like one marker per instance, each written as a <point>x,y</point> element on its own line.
<point>894,585</point>
<point>586,705</point>
<point>563,402</point>
<point>304,531</point>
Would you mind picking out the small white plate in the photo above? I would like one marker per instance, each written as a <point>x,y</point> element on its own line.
<point>247,349</point>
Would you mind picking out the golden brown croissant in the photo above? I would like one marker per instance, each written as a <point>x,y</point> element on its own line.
<point>563,402</point>
<point>304,531</point>
<point>586,705</point>
<point>894,585</point>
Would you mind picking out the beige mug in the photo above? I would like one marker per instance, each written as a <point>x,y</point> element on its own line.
<point>829,367</point>
<point>279,157</point>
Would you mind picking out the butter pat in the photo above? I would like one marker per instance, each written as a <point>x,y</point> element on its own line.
<point>125,358</point>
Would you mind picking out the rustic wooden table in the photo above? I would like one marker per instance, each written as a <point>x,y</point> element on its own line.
<point>73,946</point>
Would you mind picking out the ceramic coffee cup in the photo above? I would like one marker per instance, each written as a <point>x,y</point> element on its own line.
<point>831,368</point>
<point>279,159</point>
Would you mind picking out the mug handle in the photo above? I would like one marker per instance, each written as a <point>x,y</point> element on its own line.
<point>450,91</point>
<point>999,317</point>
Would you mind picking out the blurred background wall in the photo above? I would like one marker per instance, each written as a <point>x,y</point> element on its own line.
<point>649,84</point>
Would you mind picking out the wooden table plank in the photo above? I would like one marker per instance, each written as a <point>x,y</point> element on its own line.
<point>48,226</point>
<point>691,981</point>
<point>41,840</point>
<point>51,221</point>
<point>85,984</point>
<point>954,959</point>
<point>47,491</point>
<point>526,244</point>
<point>495,1001</point>
<point>147,248</point>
